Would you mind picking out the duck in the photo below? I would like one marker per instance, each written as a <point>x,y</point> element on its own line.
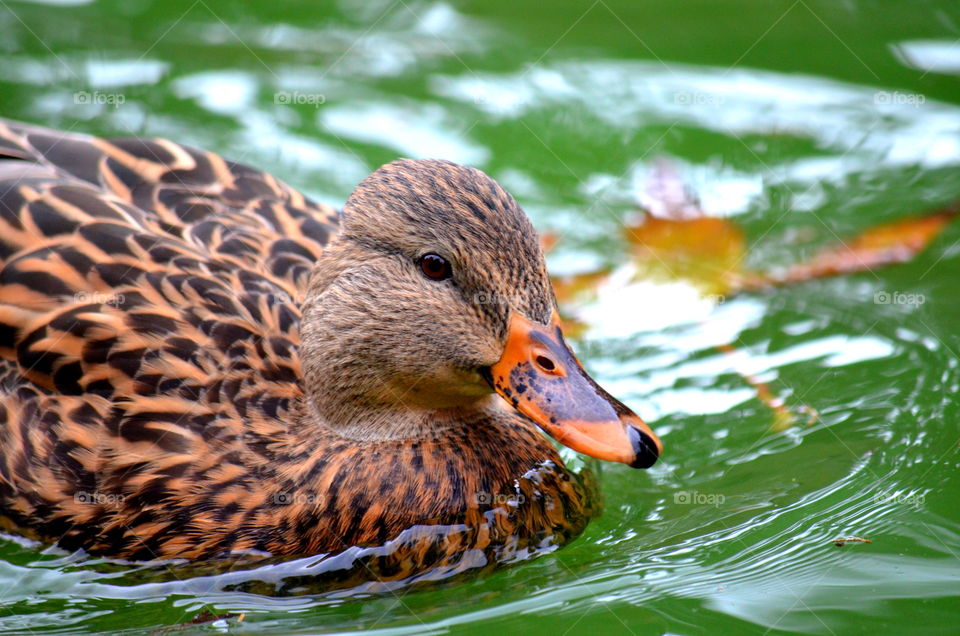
<point>198,360</point>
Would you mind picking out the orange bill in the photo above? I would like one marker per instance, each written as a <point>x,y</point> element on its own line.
<point>539,375</point>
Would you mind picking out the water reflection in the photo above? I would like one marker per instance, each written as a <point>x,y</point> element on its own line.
<point>860,124</point>
<point>934,56</point>
<point>802,156</point>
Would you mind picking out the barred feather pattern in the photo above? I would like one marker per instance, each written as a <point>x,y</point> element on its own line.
<point>148,290</point>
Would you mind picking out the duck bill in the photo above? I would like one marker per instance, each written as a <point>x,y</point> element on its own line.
<point>539,375</point>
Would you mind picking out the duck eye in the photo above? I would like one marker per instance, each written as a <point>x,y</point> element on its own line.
<point>435,267</point>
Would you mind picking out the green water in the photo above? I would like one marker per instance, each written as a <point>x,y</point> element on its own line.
<point>802,121</point>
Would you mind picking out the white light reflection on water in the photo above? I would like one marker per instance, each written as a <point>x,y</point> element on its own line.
<point>862,125</point>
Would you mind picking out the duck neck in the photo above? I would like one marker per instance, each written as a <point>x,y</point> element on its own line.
<point>358,418</point>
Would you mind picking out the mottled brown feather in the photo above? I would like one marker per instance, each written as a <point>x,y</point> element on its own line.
<point>152,399</point>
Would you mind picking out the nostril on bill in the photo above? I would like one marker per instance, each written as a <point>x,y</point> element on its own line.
<point>545,363</point>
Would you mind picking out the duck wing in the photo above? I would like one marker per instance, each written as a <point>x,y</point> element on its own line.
<point>149,334</point>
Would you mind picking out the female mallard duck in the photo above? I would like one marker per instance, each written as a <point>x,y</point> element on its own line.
<point>198,359</point>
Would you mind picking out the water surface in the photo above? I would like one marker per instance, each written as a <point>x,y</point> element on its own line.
<point>802,122</point>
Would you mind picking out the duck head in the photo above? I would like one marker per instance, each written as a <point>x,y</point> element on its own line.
<point>432,302</point>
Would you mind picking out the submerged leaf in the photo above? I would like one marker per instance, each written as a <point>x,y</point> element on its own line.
<point>707,252</point>
<point>673,240</point>
<point>886,244</point>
